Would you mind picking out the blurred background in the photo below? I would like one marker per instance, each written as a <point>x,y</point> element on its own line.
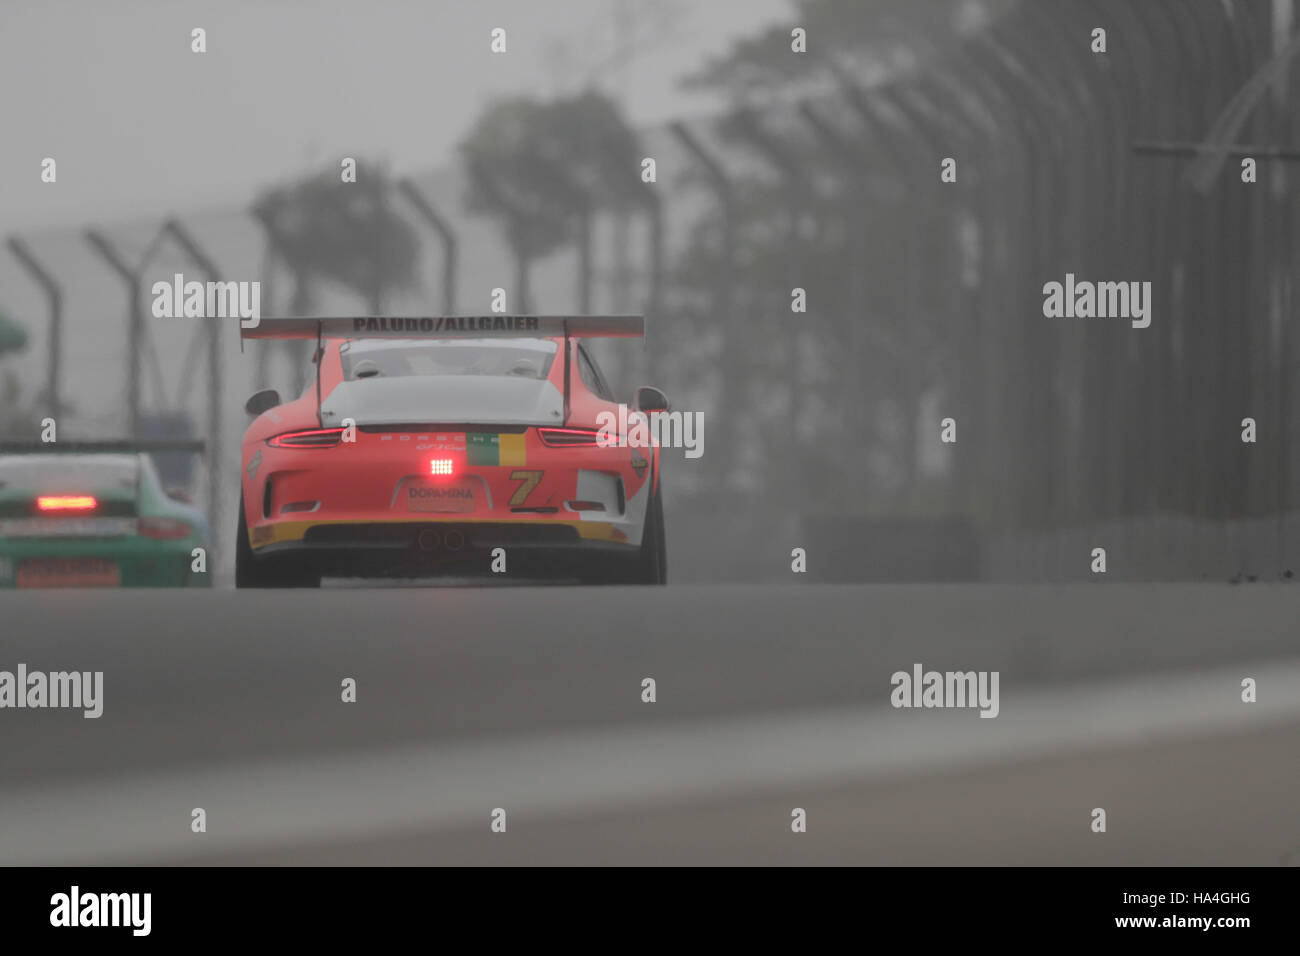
<point>774,170</point>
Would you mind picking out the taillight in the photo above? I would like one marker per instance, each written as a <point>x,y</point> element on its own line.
<point>442,466</point>
<point>170,528</point>
<point>66,503</point>
<point>562,437</point>
<point>311,438</point>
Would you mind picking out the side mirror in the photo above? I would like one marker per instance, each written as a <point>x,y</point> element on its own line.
<point>650,400</point>
<point>261,401</point>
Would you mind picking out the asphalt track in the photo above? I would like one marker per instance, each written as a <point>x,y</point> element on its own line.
<point>1125,697</point>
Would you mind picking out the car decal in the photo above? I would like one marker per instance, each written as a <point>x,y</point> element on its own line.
<point>441,443</point>
<point>530,479</point>
<point>484,449</point>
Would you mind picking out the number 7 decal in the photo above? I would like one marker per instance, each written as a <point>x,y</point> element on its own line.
<point>530,479</point>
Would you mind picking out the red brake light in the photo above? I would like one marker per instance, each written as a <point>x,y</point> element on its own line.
<point>66,503</point>
<point>442,466</point>
<point>151,527</point>
<point>562,437</point>
<point>311,438</point>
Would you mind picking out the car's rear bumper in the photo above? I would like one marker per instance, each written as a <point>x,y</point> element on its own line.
<point>433,547</point>
<point>270,536</point>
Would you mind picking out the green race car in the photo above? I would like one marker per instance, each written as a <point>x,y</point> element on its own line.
<point>96,516</point>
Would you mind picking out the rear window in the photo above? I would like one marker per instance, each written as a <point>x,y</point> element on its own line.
<point>52,473</point>
<point>517,358</point>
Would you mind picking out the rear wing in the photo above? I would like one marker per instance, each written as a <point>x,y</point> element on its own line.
<point>448,327</point>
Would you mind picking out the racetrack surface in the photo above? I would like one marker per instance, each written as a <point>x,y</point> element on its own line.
<point>529,699</point>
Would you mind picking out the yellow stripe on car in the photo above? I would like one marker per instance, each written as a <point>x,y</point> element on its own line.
<point>512,449</point>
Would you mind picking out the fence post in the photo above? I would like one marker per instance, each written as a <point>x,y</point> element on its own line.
<point>54,295</point>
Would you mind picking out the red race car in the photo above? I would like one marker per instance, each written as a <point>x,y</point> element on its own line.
<point>450,445</point>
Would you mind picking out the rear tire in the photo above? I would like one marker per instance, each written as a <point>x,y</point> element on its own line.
<point>254,572</point>
<point>245,573</point>
<point>650,563</point>
<point>654,546</point>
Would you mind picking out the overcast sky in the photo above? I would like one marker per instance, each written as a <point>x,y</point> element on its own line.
<point>136,121</point>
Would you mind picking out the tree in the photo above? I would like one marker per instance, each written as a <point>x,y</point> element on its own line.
<point>503,161</point>
<point>322,228</point>
<point>870,39</point>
